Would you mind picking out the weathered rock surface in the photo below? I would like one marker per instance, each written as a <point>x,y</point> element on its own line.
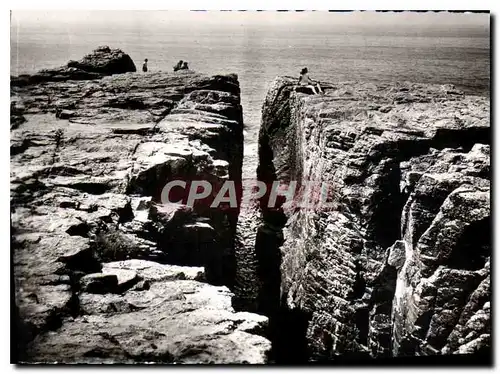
<point>171,320</point>
<point>398,262</point>
<point>102,61</point>
<point>88,165</point>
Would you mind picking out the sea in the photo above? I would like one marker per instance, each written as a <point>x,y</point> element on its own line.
<point>258,46</point>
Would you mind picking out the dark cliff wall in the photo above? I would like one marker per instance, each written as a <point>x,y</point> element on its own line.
<point>390,267</point>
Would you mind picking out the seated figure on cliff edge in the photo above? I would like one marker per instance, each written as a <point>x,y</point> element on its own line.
<point>145,65</point>
<point>305,81</point>
<point>178,66</point>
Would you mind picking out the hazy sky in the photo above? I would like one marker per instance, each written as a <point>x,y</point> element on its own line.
<point>348,23</point>
<point>48,18</point>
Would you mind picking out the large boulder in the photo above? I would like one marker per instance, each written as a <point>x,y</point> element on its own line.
<point>106,61</point>
<point>101,62</point>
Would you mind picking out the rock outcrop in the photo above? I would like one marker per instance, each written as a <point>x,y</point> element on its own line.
<point>105,60</point>
<point>166,317</point>
<point>101,62</point>
<point>103,270</point>
<point>395,262</point>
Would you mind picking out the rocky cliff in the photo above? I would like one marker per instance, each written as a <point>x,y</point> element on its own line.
<point>102,270</point>
<point>397,263</point>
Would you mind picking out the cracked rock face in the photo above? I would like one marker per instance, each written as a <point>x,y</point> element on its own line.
<point>398,264</point>
<point>100,264</point>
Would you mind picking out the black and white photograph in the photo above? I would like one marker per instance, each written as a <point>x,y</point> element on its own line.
<point>273,187</point>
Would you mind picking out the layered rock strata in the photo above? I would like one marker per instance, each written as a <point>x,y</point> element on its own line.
<point>397,262</point>
<point>103,269</point>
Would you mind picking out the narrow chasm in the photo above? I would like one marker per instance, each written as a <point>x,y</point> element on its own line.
<point>287,327</point>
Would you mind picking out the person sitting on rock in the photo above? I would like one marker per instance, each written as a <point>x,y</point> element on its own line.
<point>145,65</point>
<point>185,66</point>
<point>211,98</point>
<point>305,81</point>
<point>178,66</point>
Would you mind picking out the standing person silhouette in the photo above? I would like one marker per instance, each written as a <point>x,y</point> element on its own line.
<point>305,81</point>
<point>145,65</point>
